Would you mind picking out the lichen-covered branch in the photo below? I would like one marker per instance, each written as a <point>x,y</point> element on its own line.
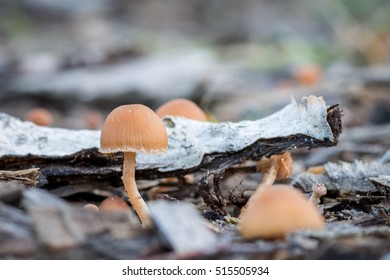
<point>193,145</point>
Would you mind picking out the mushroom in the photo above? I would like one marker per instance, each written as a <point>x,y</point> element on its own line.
<point>318,169</point>
<point>114,203</point>
<point>308,75</point>
<point>278,211</point>
<point>183,108</point>
<point>93,119</point>
<point>319,190</point>
<point>131,129</point>
<point>40,116</point>
<point>277,167</point>
<point>91,207</point>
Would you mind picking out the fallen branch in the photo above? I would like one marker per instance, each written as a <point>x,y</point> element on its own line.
<point>72,155</point>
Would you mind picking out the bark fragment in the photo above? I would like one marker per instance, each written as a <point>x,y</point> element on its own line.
<point>182,227</point>
<point>26,176</point>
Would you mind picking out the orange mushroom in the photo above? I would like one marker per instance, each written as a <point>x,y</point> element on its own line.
<point>40,116</point>
<point>131,129</point>
<point>308,75</point>
<point>183,108</point>
<point>278,211</point>
<point>277,167</point>
<point>93,119</point>
<point>114,203</point>
<point>318,169</point>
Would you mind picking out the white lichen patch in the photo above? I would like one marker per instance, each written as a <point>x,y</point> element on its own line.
<point>23,137</point>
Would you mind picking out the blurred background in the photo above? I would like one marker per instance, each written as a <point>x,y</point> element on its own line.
<point>236,59</point>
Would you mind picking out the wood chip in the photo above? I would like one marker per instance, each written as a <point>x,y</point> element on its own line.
<point>382,183</point>
<point>16,236</point>
<point>182,227</point>
<point>60,225</point>
<point>10,191</point>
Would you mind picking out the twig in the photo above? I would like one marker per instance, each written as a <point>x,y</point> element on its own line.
<point>26,176</point>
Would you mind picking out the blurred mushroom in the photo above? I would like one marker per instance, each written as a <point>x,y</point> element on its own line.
<point>318,169</point>
<point>131,129</point>
<point>183,108</point>
<point>277,167</point>
<point>91,207</point>
<point>278,211</point>
<point>40,116</point>
<point>93,119</point>
<point>114,203</point>
<point>308,75</point>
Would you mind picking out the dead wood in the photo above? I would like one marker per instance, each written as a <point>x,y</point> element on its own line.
<point>382,183</point>
<point>65,156</point>
<point>47,227</point>
<point>216,202</point>
<point>182,227</point>
<point>11,192</point>
<point>345,177</point>
<point>26,176</point>
<point>16,234</point>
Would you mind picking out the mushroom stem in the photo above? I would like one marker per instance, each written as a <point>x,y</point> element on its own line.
<point>319,190</point>
<point>136,199</point>
<point>277,167</point>
<point>266,182</point>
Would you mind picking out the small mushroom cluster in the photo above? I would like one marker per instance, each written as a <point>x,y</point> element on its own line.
<point>273,212</point>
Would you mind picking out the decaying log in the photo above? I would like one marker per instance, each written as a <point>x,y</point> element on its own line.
<point>193,146</point>
<point>345,177</point>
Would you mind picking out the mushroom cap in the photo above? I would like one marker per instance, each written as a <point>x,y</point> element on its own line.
<point>133,128</point>
<point>182,108</point>
<point>319,189</point>
<point>278,211</point>
<point>91,207</point>
<point>40,116</point>
<point>114,203</point>
<point>308,74</point>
